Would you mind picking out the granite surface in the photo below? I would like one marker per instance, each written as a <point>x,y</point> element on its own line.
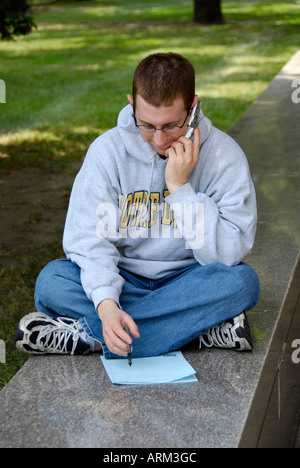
<point>64,401</point>
<point>70,402</point>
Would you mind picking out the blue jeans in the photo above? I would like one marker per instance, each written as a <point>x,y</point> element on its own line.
<point>170,312</point>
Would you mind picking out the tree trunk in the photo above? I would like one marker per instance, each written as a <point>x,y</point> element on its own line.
<point>208,12</point>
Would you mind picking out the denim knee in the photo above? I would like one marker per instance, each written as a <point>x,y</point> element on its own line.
<point>249,281</point>
<point>59,291</point>
<point>45,285</point>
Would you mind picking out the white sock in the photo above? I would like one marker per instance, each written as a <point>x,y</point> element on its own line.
<point>88,340</point>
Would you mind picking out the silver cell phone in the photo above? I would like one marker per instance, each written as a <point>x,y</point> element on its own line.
<point>194,119</point>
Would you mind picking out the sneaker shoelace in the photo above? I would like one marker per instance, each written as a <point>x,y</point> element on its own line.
<point>56,337</point>
<point>220,336</point>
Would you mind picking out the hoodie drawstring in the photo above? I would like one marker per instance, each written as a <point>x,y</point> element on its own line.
<point>145,211</point>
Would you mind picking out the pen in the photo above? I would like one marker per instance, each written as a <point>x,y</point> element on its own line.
<point>128,347</point>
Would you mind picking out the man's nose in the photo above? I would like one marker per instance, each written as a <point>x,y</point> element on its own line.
<point>160,137</point>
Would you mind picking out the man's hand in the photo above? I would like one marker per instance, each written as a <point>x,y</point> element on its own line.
<point>183,156</point>
<point>113,323</point>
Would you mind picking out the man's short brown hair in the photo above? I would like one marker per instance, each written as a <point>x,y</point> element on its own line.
<point>161,78</point>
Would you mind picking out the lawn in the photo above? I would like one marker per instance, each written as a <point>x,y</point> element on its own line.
<point>66,82</point>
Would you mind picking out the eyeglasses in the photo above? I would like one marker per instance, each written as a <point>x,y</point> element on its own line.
<point>166,129</point>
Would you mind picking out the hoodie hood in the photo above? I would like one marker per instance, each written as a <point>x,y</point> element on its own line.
<point>135,144</point>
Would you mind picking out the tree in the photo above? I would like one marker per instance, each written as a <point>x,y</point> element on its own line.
<point>13,19</point>
<point>208,12</point>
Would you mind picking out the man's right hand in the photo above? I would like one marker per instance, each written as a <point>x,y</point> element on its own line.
<point>114,320</point>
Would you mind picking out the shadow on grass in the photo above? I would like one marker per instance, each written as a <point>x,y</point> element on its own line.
<point>17,290</point>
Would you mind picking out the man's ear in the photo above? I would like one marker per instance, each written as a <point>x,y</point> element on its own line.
<point>195,100</point>
<point>130,99</point>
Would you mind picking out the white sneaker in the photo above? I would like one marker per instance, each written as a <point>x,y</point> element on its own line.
<point>234,334</point>
<point>38,333</point>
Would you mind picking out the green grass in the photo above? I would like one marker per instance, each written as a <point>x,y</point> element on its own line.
<point>16,289</point>
<point>66,82</point>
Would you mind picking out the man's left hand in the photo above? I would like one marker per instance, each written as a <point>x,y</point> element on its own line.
<point>182,156</point>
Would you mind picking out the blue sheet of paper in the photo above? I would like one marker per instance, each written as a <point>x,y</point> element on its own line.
<point>167,368</point>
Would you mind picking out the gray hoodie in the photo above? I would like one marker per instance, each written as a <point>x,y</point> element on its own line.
<point>113,223</point>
